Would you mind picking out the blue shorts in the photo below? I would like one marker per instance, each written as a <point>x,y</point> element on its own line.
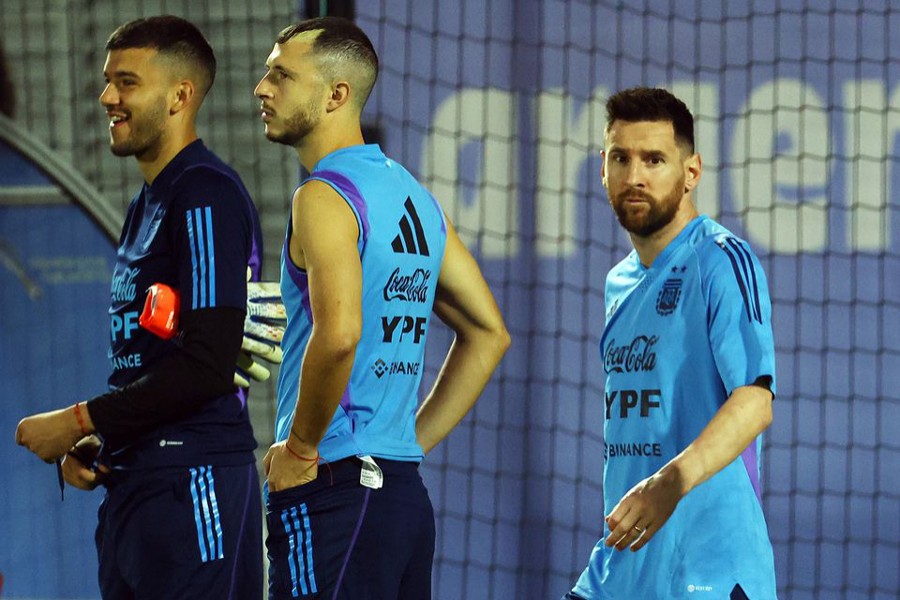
<point>334,538</point>
<point>179,533</point>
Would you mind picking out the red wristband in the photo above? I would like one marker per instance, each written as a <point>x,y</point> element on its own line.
<point>298,457</point>
<point>80,419</point>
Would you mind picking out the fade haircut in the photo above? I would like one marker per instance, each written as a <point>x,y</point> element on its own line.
<point>173,38</point>
<point>343,51</point>
<point>652,104</point>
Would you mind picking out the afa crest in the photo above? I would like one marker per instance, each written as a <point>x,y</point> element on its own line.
<point>667,301</point>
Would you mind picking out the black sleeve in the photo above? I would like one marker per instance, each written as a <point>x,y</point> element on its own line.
<point>179,385</point>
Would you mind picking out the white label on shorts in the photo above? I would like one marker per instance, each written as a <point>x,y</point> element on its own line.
<point>370,474</point>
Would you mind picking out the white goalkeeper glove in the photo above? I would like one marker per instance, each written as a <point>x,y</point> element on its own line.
<point>263,330</point>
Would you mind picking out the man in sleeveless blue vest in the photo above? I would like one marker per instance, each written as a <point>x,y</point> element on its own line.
<point>690,367</point>
<point>181,515</point>
<point>367,256</point>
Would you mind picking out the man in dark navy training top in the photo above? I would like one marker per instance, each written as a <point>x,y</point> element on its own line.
<point>181,516</point>
<point>369,254</point>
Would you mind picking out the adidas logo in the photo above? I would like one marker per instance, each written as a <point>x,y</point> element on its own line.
<point>411,239</point>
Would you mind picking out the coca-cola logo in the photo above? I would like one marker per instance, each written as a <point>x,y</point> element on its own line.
<point>629,358</point>
<point>409,288</point>
<point>123,286</point>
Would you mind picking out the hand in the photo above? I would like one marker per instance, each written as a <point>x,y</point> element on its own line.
<point>263,331</point>
<point>644,510</point>
<point>285,470</point>
<point>77,465</point>
<point>49,434</point>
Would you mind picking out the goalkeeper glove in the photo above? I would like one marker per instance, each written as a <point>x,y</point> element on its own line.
<point>263,330</point>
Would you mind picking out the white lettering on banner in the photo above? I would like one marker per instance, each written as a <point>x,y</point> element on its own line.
<point>703,100</point>
<point>567,136</point>
<point>781,167</point>
<point>487,117</point>
<point>779,156</point>
<point>871,128</point>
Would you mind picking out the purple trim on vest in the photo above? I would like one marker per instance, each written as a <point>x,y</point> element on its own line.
<point>751,463</point>
<point>359,522</point>
<point>346,400</point>
<point>352,193</point>
<point>299,277</point>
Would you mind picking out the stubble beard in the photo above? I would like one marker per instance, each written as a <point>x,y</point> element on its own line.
<point>296,127</point>
<point>145,132</point>
<point>660,212</point>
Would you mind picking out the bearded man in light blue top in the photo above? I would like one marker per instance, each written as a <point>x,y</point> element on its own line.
<point>690,366</point>
<point>368,255</point>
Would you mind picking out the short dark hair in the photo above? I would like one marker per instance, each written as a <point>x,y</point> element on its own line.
<point>343,45</point>
<point>652,104</point>
<point>172,37</point>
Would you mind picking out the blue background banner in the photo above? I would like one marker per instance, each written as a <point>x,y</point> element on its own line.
<point>499,108</point>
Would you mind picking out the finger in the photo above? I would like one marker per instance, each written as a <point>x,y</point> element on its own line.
<point>629,530</point>
<point>631,535</point>
<point>643,538</point>
<point>619,512</point>
<point>617,521</point>
<point>256,371</point>
<point>617,539</point>
<point>240,381</point>
<point>268,351</point>
<point>79,477</point>
<point>73,461</point>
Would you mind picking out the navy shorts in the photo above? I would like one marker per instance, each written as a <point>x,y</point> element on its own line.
<point>333,538</point>
<point>180,532</point>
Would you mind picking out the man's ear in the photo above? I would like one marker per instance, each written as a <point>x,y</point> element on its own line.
<point>340,95</point>
<point>693,169</point>
<point>182,96</point>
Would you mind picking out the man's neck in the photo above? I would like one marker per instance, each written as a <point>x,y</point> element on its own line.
<point>152,163</point>
<point>651,246</point>
<point>317,146</point>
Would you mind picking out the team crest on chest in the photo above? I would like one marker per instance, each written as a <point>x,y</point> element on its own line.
<point>667,300</point>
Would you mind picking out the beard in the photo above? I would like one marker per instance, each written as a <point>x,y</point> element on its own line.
<point>296,127</point>
<point>145,131</point>
<point>660,212</point>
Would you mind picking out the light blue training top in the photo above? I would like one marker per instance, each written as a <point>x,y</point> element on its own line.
<point>680,337</point>
<point>402,235</point>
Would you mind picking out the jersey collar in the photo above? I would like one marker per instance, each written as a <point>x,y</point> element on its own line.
<point>188,155</point>
<point>683,236</point>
